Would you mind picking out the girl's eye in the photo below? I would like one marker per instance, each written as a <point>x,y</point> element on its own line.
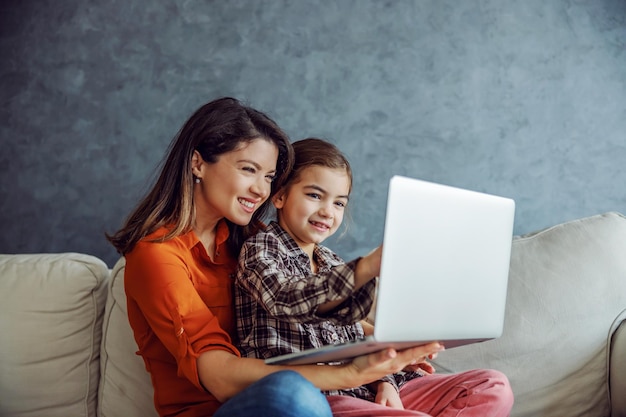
<point>314,195</point>
<point>340,204</point>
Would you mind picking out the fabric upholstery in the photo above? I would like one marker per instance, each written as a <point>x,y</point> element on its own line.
<point>617,371</point>
<point>51,309</point>
<point>567,288</point>
<point>564,337</point>
<point>125,387</point>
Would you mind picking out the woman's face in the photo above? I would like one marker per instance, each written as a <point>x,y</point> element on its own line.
<point>237,184</point>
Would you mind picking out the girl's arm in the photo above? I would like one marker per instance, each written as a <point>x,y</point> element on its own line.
<point>367,268</point>
<point>292,293</point>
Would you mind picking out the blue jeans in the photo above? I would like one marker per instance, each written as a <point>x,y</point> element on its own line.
<point>281,394</point>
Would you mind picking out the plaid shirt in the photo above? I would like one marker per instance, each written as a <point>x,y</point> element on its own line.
<point>277,297</point>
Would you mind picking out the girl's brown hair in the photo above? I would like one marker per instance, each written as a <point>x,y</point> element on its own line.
<point>317,152</point>
<point>217,127</point>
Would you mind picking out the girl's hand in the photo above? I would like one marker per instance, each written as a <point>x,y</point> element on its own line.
<point>387,395</point>
<point>368,267</point>
<point>368,329</point>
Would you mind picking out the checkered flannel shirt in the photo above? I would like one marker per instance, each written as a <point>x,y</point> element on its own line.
<point>277,297</point>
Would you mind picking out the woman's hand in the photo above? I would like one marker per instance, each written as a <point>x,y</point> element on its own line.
<point>224,374</point>
<point>423,367</point>
<point>366,369</point>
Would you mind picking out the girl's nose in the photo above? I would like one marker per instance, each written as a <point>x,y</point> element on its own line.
<point>326,211</point>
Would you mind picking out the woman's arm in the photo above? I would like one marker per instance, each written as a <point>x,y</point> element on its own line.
<point>224,374</point>
<point>165,308</point>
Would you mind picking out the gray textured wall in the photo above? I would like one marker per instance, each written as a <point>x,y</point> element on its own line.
<point>525,99</point>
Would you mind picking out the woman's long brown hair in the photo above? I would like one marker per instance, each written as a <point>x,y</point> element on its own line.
<point>217,127</point>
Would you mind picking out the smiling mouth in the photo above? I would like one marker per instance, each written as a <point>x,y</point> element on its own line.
<point>246,203</point>
<point>320,225</point>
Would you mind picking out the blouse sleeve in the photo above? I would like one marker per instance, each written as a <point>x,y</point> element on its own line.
<point>163,302</point>
<point>266,272</point>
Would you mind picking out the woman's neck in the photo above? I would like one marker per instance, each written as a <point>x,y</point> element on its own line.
<point>206,229</point>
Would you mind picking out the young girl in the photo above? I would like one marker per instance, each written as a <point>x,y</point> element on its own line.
<point>292,294</point>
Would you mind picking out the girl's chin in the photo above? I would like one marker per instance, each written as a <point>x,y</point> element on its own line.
<point>317,239</point>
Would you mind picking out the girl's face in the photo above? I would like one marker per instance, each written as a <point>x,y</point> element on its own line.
<point>237,184</point>
<point>312,208</point>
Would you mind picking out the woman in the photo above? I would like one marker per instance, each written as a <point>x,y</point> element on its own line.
<point>181,244</point>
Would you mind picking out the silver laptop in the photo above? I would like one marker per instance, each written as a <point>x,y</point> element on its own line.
<point>444,272</point>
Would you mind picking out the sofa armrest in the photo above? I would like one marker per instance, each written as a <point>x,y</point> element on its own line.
<point>617,370</point>
<point>51,308</point>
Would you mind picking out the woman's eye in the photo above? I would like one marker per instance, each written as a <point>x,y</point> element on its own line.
<point>252,170</point>
<point>270,177</point>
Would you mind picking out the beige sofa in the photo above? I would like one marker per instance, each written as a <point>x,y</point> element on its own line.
<point>66,348</point>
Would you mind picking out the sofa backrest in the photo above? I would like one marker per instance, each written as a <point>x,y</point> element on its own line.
<point>51,309</point>
<point>125,386</point>
<point>566,297</point>
<point>564,336</point>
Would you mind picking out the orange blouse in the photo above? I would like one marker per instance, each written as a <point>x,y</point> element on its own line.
<point>180,304</point>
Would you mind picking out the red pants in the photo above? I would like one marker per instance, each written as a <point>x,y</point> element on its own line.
<point>477,393</point>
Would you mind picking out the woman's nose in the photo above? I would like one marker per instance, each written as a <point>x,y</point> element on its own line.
<point>261,188</point>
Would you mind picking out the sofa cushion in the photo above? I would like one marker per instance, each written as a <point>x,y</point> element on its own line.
<point>51,308</point>
<point>567,292</point>
<point>125,386</point>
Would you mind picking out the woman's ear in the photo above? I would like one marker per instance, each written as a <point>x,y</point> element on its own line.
<point>196,164</point>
